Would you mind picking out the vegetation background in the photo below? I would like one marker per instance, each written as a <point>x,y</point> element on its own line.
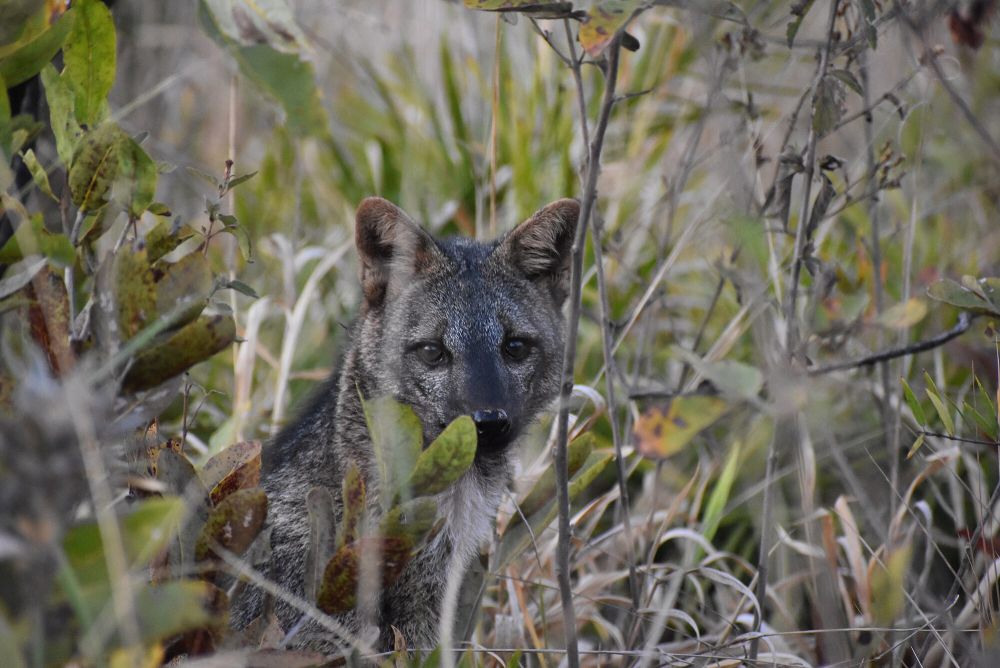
<point>787,355</point>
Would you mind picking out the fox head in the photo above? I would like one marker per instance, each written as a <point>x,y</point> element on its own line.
<point>457,327</point>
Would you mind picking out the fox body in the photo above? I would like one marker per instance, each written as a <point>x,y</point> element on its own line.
<point>450,327</point>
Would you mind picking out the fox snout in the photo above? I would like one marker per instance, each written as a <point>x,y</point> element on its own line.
<point>493,428</point>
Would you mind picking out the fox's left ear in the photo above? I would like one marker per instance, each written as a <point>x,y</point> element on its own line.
<point>542,246</point>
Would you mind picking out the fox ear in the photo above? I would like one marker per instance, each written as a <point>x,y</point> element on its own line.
<point>542,246</point>
<point>391,248</point>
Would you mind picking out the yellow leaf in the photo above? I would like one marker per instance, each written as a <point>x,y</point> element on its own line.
<point>662,431</point>
<point>887,581</point>
<point>903,315</point>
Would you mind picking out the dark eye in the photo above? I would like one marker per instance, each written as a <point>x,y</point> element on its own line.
<point>516,349</point>
<point>431,353</point>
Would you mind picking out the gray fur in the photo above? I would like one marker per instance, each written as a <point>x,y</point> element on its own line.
<point>470,297</point>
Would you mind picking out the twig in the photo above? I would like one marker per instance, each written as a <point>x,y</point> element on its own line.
<point>931,59</point>
<point>569,355</point>
<point>964,322</point>
<point>959,439</point>
<point>791,331</point>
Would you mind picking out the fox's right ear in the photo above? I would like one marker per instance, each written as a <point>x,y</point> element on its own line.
<point>542,246</point>
<point>391,248</point>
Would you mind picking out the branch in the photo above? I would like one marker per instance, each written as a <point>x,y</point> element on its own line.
<point>964,322</point>
<point>593,167</point>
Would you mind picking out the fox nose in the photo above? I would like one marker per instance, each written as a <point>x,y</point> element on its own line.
<point>491,423</point>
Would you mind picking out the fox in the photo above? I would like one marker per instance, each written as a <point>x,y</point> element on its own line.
<point>449,327</point>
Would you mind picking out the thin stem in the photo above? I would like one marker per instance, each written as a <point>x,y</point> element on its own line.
<point>786,424</point>
<point>569,356</point>
<point>964,322</point>
<point>791,327</point>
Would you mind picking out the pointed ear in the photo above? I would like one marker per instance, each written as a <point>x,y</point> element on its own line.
<point>542,246</point>
<point>391,248</point>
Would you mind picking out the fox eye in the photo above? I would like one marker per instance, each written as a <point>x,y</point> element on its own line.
<point>516,349</point>
<point>431,353</point>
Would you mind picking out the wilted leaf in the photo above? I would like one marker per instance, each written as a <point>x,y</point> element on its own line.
<point>397,436</point>
<point>887,584</point>
<point>829,104</point>
<point>235,468</point>
<point>95,166</point>
<point>663,431</point>
<point>182,288</point>
<point>137,657</point>
<point>322,537</point>
<point>903,315</point>
<point>62,117</point>
<point>353,494</point>
<point>544,490</point>
<point>233,524</point>
<point>338,590</point>
<point>604,19</point>
<point>48,318</point>
<point>446,459</point>
<point>89,57</point>
<point>193,343</point>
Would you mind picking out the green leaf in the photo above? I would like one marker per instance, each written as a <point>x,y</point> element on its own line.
<point>868,12</point>
<point>544,490</point>
<point>663,431</point>
<point>517,537</point>
<point>847,78</point>
<point>38,173</point>
<point>31,56</point>
<point>799,11</point>
<point>411,520</point>
<point>62,116</point>
<point>888,586</point>
<point>33,238</point>
<point>730,376</point>
<point>167,609</point>
<point>145,532</point>
<point>242,239</point>
<point>975,300</point>
<point>913,403</point>
<point>720,493</point>
<point>250,22</point>
<point>242,288</point>
<point>193,343</point>
<point>237,180</point>
<point>89,57</point>
<point>939,406</point>
<point>20,275</point>
<point>285,77</point>
<point>916,446</point>
<point>446,459</point>
<point>135,182</point>
<point>397,436</point>
<point>233,524</point>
